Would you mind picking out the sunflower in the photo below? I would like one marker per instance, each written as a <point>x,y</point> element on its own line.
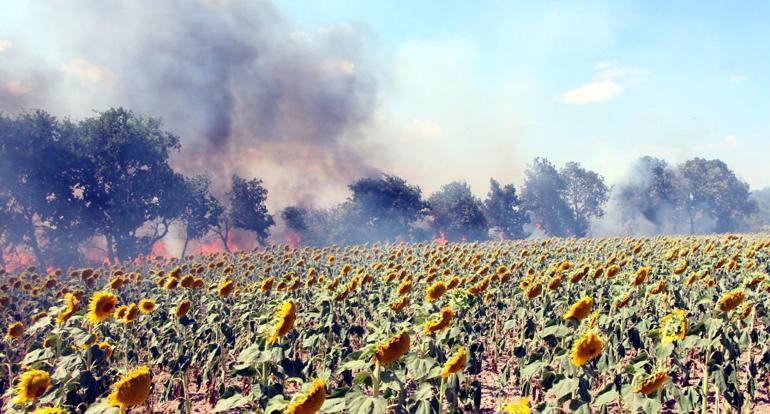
<point>673,326</point>
<point>146,306</point>
<point>455,363</point>
<point>435,291</point>
<point>132,312</point>
<point>586,348</point>
<point>101,306</point>
<point>120,312</point>
<point>438,324</point>
<point>310,401</point>
<point>15,330</point>
<point>611,271</point>
<point>393,349</point>
<point>623,301</point>
<point>32,385</point>
<point>517,406</point>
<point>744,313</point>
<point>187,281</point>
<point>640,276</point>
<point>49,410</point>
<point>652,382</point>
<point>266,285</point>
<point>285,315</point>
<point>657,288</point>
<point>72,306</point>
<point>731,300</point>
<point>534,290</point>
<point>183,308</point>
<point>593,319</point>
<point>170,283</point>
<point>398,305</point>
<point>404,288</point>
<point>224,288</point>
<point>131,390</point>
<point>106,348</point>
<point>580,309</point>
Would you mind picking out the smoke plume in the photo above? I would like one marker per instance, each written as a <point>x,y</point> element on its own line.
<point>246,92</point>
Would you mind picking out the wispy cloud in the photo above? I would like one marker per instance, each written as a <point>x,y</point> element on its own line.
<point>735,78</point>
<point>609,81</point>
<point>729,142</point>
<point>5,45</point>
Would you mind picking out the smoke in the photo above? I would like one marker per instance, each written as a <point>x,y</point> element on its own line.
<point>246,92</point>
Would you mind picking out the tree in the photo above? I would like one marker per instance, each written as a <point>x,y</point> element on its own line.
<point>585,193</point>
<point>714,192</point>
<point>504,210</point>
<point>760,219</point>
<point>385,207</point>
<point>247,207</point>
<point>201,212</point>
<point>128,182</point>
<point>542,195</point>
<point>458,213</point>
<point>39,178</point>
<point>653,190</point>
<point>295,219</point>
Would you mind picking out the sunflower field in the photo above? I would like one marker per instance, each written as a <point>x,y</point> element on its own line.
<point>664,324</point>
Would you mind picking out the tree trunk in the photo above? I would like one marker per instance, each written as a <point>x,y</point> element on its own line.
<point>110,249</point>
<point>38,253</point>
<point>184,248</point>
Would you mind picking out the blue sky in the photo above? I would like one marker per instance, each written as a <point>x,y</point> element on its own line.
<point>598,82</point>
<point>477,89</point>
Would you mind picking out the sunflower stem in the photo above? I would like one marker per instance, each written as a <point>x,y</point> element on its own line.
<point>441,395</point>
<point>705,389</point>
<point>376,380</point>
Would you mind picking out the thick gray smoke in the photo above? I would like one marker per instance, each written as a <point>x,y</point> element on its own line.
<point>247,92</point>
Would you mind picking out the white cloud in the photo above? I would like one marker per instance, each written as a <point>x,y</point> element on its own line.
<point>5,45</point>
<point>594,92</point>
<point>16,87</point>
<point>609,81</point>
<point>737,78</point>
<point>729,142</point>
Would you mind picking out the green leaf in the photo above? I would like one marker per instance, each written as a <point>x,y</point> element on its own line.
<point>333,405</point>
<point>606,398</point>
<point>101,407</point>
<point>364,404</point>
<point>232,402</point>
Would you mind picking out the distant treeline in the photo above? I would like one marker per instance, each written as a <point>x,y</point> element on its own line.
<point>65,184</point>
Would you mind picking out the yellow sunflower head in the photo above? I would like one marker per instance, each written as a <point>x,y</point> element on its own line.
<point>440,322</point>
<point>49,410</point>
<point>132,312</point>
<point>15,330</point>
<point>101,306</point>
<point>435,291</point>
<point>455,363</point>
<point>72,305</point>
<point>310,401</point>
<point>285,315</point>
<point>731,300</point>
<point>586,348</point>
<point>580,309</point>
<point>651,383</point>
<point>673,326</point>
<point>393,349</point>
<point>131,390</point>
<point>146,306</point>
<point>31,386</point>
<point>183,308</point>
<point>225,288</point>
<point>517,406</point>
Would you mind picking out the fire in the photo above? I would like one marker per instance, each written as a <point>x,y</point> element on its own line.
<point>440,239</point>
